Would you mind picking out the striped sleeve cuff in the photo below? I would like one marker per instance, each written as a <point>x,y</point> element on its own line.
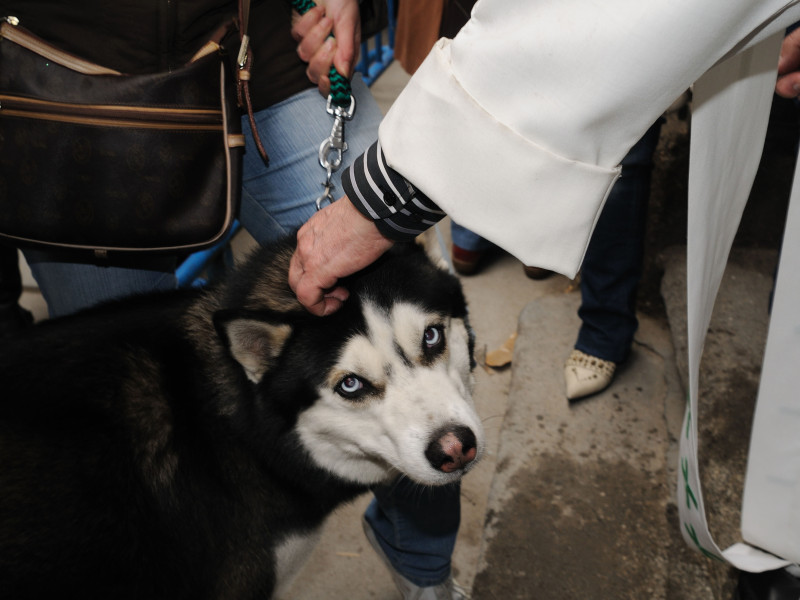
<point>399,210</point>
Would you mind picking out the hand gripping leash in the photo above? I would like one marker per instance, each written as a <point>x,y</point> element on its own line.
<point>341,106</point>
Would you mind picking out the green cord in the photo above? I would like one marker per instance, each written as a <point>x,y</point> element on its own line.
<point>303,6</point>
<point>340,85</point>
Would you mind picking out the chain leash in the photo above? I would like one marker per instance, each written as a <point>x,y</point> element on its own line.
<point>341,105</point>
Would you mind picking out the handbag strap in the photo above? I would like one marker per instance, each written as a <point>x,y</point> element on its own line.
<point>245,62</point>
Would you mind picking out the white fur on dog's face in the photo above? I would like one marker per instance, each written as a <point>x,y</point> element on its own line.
<point>384,428</point>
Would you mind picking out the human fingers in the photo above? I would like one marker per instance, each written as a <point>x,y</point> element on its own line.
<point>302,24</point>
<point>304,276</point>
<point>311,296</point>
<point>324,305</point>
<point>347,30</point>
<point>315,38</point>
<point>316,46</point>
<point>788,83</point>
<point>335,242</point>
<point>788,86</point>
<point>790,53</point>
<point>317,299</point>
<point>316,265</point>
<point>319,66</point>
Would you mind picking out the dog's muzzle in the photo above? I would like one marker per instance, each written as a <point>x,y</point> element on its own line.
<point>452,449</point>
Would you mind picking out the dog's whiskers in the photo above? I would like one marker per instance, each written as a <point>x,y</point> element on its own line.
<point>490,417</point>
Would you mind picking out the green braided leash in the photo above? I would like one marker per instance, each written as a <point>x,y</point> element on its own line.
<point>341,106</point>
<point>303,6</point>
<point>340,85</point>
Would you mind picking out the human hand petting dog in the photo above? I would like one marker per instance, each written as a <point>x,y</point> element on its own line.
<point>335,242</point>
<point>788,84</point>
<point>313,29</point>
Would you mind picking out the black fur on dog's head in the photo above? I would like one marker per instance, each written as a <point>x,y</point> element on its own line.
<point>289,355</point>
<point>258,310</point>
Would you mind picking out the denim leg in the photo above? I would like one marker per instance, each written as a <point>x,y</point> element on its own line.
<point>467,239</point>
<point>69,287</point>
<point>278,199</point>
<point>416,527</point>
<point>612,266</point>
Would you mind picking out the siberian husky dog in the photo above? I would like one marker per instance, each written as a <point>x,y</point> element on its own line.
<point>191,444</point>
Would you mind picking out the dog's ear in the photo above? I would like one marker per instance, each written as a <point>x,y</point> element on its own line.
<point>255,342</point>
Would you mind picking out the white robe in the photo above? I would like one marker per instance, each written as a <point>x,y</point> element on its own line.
<point>516,127</point>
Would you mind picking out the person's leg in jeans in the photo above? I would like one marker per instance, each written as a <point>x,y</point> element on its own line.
<point>468,239</point>
<point>612,269</point>
<point>278,199</point>
<point>416,527</point>
<point>468,249</point>
<point>71,286</point>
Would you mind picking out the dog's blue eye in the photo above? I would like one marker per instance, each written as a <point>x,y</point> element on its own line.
<point>433,337</point>
<point>350,386</point>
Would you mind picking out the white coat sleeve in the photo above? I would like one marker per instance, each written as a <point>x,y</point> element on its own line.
<point>515,128</point>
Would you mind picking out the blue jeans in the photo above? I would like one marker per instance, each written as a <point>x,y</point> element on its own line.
<point>419,526</point>
<point>416,527</point>
<point>275,200</point>
<point>468,239</point>
<point>612,267</point>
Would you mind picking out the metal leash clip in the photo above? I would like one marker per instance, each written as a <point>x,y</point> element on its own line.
<point>332,148</point>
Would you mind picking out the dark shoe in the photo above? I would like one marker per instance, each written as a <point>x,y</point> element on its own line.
<point>465,262</point>
<point>537,273</point>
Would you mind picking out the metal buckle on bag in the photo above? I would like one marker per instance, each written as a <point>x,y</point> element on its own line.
<point>241,59</point>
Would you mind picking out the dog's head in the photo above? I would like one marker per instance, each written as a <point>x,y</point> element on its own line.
<point>382,386</point>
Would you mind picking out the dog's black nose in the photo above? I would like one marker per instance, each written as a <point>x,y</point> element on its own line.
<point>451,449</point>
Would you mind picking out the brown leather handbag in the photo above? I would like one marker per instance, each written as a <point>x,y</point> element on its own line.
<point>94,159</point>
